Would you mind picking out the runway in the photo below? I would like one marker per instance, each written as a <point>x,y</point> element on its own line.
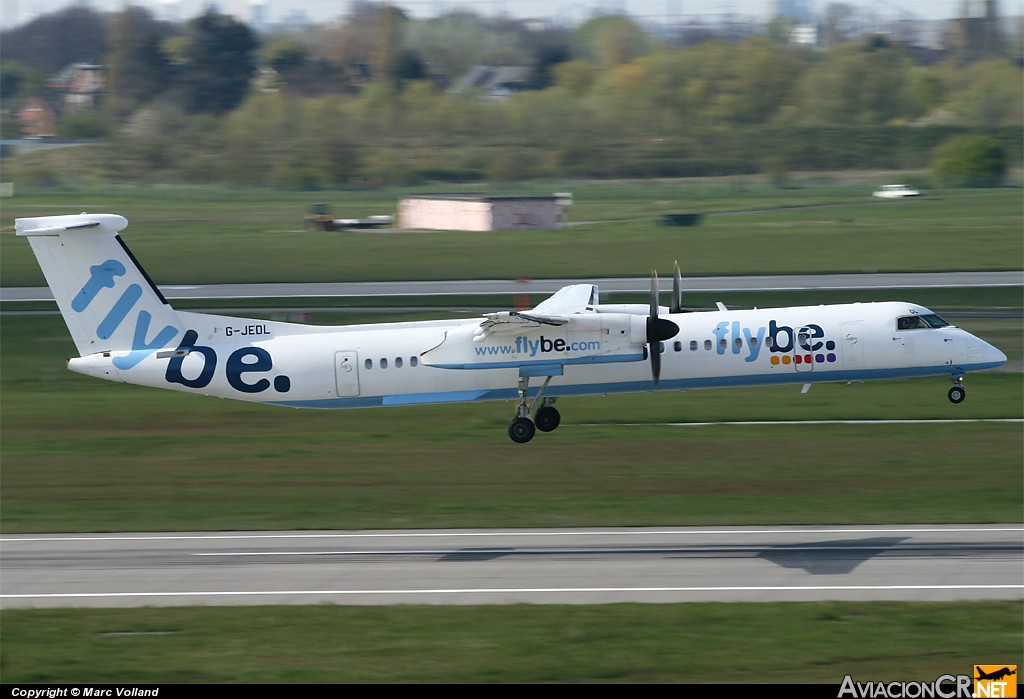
<point>467,567</point>
<point>549,286</point>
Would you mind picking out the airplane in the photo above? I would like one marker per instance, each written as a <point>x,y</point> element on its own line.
<point>996,675</point>
<point>568,345</point>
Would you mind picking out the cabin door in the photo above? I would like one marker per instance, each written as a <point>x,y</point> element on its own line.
<point>346,373</point>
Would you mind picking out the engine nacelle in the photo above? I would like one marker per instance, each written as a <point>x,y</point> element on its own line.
<point>589,338</point>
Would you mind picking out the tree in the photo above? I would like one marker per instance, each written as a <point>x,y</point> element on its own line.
<point>219,61</point>
<point>611,40</point>
<point>51,42</point>
<point>18,80</point>
<point>386,55</point>
<point>969,161</point>
<point>137,70</point>
<point>862,83</point>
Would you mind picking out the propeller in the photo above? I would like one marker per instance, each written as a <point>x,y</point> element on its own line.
<point>677,290</point>
<point>658,330</point>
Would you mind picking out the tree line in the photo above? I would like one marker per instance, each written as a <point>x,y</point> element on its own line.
<point>368,98</point>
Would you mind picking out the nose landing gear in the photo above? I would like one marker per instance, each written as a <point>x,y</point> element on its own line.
<point>958,392</point>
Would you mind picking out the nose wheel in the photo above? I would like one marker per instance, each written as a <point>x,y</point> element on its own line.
<point>958,392</point>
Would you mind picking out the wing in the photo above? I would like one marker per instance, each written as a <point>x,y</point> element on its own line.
<point>567,301</point>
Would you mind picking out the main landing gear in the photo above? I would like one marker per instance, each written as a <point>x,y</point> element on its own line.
<point>958,392</point>
<point>546,419</point>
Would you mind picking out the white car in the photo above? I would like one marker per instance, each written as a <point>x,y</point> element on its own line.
<point>895,191</point>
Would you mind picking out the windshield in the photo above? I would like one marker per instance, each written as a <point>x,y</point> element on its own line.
<point>928,320</point>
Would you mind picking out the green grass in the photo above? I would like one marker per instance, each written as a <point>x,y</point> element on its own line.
<point>243,236</point>
<point>624,643</point>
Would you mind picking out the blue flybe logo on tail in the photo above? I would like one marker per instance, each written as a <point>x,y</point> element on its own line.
<point>103,276</point>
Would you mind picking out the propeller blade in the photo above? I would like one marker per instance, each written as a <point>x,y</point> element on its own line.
<point>655,352</point>
<point>658,330</point>
<point>677,289</point>
<point>654,294</point>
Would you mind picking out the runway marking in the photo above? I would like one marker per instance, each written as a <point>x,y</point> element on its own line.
<point>513,590</point>
<point>805,422</point>
<point>473,534</point>
<point>738,548</point>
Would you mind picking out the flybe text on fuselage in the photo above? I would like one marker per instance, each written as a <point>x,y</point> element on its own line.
<point>805,344</point>
<point>541,345</point>
<point>244,369</point>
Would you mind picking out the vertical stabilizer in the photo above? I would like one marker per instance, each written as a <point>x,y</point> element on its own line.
<point>108,302</point>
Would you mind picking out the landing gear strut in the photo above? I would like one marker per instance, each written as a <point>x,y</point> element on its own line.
<point>522,429</point>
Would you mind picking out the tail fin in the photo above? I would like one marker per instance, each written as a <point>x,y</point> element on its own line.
<point>108,302</point>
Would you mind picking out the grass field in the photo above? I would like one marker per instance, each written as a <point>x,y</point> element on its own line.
<point>696,643</point>
<point>195,236</point>
<point>79,454</point>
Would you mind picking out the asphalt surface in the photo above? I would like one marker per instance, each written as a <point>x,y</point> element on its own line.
<point>566,566</point>
<point>547,286</point>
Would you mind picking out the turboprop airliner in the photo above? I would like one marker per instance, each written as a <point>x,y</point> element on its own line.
<point>568,345</point>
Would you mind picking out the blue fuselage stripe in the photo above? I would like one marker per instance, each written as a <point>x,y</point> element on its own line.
<point>632,386</point>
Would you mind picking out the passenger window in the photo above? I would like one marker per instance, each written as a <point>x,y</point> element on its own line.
<point>677,346</point>
<point>383,363</point>
<point>413,361</point>
<point>753,342</point>
<point>368,363</point>
<point>738,343</point>
<point>723,344</point>
<point>707,344</point>
<point>398,362</point>
<point>693,345</point>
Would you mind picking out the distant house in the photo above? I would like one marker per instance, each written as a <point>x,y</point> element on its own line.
<point>37,118</point>
<point>481,212</point>
<point>79,85</point>
<point>495,82</point>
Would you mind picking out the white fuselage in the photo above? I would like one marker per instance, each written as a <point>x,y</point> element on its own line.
<point>403,363</point>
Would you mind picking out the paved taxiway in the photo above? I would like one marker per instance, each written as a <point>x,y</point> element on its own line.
<point>549,286</point>
<point>568,566</point>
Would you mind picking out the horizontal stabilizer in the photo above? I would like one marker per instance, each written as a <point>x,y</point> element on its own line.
<point>55,225</point>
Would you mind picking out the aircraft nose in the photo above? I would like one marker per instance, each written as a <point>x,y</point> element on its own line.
<point>985,353</point>
<point>996,355</point>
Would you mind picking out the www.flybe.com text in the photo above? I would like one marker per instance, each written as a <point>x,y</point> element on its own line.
<point>525,345</point>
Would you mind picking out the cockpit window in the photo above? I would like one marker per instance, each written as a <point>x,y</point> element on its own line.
<point>928,320</point>
<point>934,321</point>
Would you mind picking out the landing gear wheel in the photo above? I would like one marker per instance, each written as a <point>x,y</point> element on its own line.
<point>521,430</point>
<point>547,418</point>
<point>957,394</point>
